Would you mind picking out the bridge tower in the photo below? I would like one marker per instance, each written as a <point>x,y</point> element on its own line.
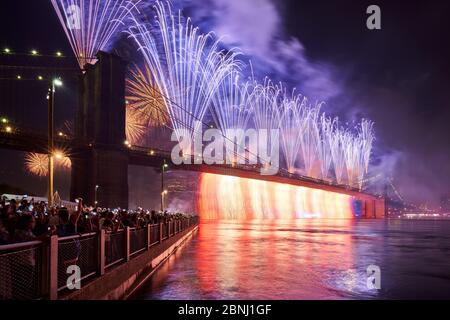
<point>100,127</point>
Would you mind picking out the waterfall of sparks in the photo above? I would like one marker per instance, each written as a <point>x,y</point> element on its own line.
<point>91,24</point>
<point>229,197</point>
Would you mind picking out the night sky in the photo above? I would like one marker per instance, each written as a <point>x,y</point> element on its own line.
<point>398,76</point>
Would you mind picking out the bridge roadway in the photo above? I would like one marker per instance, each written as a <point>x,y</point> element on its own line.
<point>30,141</point>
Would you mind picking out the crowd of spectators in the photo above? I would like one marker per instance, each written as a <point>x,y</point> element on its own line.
<point>29,220</point>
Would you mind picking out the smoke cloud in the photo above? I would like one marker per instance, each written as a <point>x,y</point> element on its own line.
<point>256,28</point>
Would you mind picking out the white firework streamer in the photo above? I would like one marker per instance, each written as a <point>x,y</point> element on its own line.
<point>91,24</point>
<point>188,67</point>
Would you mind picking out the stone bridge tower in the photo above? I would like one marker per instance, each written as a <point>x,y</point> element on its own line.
<point>102,159</point>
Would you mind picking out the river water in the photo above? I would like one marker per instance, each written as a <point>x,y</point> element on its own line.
<point>307,259</point>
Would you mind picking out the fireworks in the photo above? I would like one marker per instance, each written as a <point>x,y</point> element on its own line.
<point>134,125</point>
<point>357,152</point>
<point>231,103</point>
<point>290,123</point>
<point>187,66</point>
<point>62,160</point>
<point>91,24</point>
<point>144,98</point>
<point>312,143</point>
<point>231,109</point>
<point>187,74</point>
<point>37,163</point>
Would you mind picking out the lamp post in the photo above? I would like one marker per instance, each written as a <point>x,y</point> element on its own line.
<point>51,103</point>
<point>95,195</point>
<point>164,166</point>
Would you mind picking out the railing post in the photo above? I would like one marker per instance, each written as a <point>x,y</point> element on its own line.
<point>101,252</point>
<point>160,232</point>
<point>149,239</point>
<point>45,271</point>
<point>53,268</point>
<point>127,243</point>
<point>168,229</point>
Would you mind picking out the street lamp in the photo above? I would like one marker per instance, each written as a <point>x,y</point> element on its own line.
<point>95,195</point>
<point>58,155</point>
<point>164,166</point>
<point>57,82</point>
<point>54,83</point>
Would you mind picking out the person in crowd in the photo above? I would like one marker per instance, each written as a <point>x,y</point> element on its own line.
<point>32,220</point>
<point>4,234</point>
<point>65,225</point>
<point>24,229</point>
<point>42,227</point>
<point>53,219</point>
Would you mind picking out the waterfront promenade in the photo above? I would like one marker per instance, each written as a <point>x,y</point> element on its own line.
<point>115,262</point>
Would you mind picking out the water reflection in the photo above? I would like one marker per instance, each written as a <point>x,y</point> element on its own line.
<point>307,259</point>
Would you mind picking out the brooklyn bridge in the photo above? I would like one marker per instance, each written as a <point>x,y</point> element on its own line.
<point>101,155</point>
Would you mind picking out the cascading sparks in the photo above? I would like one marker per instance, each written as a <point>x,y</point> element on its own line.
<point>91,24</point>
<point>229,197</point>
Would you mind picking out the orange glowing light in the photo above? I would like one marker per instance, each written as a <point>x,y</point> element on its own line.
<point>228,197</point>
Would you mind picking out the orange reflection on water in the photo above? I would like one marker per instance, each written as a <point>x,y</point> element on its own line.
<point>228,197</point>
<point>274,259</point>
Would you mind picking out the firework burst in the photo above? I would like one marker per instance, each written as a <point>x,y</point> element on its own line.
<point>144,98</point>
<point>231,111</point>
<point>91,24</point>
<point>36,164</point>
<point>134,125</point>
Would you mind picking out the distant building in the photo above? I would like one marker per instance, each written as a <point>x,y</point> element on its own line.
<point>445,203</point>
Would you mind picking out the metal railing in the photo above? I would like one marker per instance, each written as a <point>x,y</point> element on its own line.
<point>138,240</point>
<point>22,271</point>
<point>81,251</point>
<point>39,269</point>
<point>114,248</point>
